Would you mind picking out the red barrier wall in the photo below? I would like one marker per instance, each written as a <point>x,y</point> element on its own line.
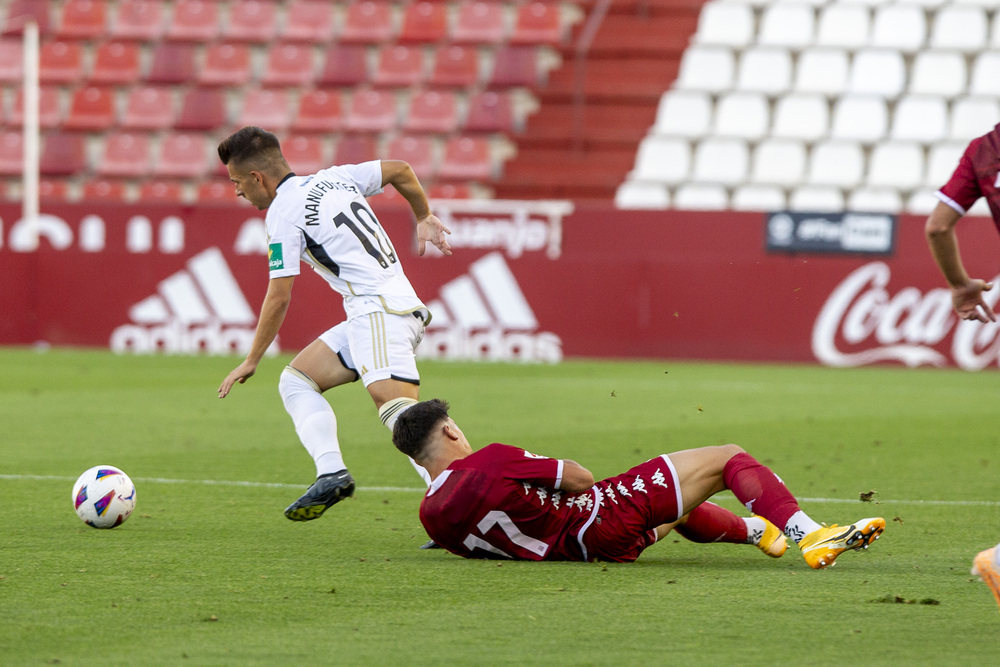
<point>528,281</point>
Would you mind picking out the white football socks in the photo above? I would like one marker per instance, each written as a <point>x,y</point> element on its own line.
<point>315,423</point>
<point>389,413</point>
<point>800,525</point>
<point>755,528</point>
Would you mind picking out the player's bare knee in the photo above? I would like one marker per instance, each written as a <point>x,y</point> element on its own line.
<point>730,450</point>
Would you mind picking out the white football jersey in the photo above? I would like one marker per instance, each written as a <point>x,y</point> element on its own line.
<point>324,221</point>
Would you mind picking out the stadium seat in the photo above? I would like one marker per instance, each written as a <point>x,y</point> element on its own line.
<point>963,28</point>
<point>305,154</point>
<point>11,61</point>
<point>172,63</point>
<point>19,10</point>
<point>319,111</point>
<point>424,22</point>
<point>972,117</point>
<point>515,66</point>
<point>148,108</point>
<point>289,65</point>
<point>758,198</point>
<point>789,25</point>
<point>354,149</point>
<point>722,23</point>
<point>701,197</point>
<point>942,159</point>
<point>897,164</point>
<point>60,62</point>
<point>662,160</point>
<point>708,68</point>
<point>940,73</point>
<point>308,21</point>
<point>82,19</point>
<point>105,190</point>
<point>479,22</point>
<point>877,72</point>
<point>902,27</point>
<point>170,192</point>
<point>921,202</point>
<point>268,108</point>
<point>863,118</point>
<point>875,200</point>
<point>836,163</point>
<point>742,115</point>
<point>537,22</point>
<point>367,22</point>
<point>125,154</point>
<point>54,190</point>
<point>251,21</point>
<point>50,114</point>
<point>720,161</point>
<point>202,109</point>
<point>490,111</point>
<point>455,66</point>
<point>683,113</point>
<point>449,191</point>
<point>182,155</point>
<point>399,65</point>
<point>91,108</point>
<point>217,191</point>
<point>466,159</point>
<point>63,154</point>
<point>372,111</point>
<point>642,195</point>
<point>804,116</point>
<point>432,111</point>
<point>778,162</point>
<point>344,66</point>
<point>822,71</point>
<point>994,42</point>
<point>845,26</point>
<point>984,80</point>
<point>418,151</point>
<point>765,70</point>
<point>11,152</point>
<point>225,64</point>
<point>194,21</point>
<point>116,63</point>
<point>920,118</point>
<point>139,20</point>
<point>816,199</point>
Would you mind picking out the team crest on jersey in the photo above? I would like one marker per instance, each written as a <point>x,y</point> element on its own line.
<point>275,260</point>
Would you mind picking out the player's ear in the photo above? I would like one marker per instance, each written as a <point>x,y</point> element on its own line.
<point>450,430</point>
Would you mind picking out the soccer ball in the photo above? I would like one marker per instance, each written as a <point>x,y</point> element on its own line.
<point>104,497</point>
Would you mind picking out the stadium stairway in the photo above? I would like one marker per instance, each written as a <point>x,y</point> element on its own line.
<point>585,153</point>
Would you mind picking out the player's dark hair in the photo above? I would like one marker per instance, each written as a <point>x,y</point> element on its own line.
<point>250,147</point>
<point>414,427</point>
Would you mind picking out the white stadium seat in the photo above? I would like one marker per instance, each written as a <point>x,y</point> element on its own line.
<point>822,71</point>
<point>801,116</point>
<point>959,27</point>
<point>862,118</point>
<point>709,68</point>
<point>642,195</point>
<point>700,197</point>
<point>790,25</point>
<point>836,163</point>
<point>877,72</point>
<point>994,42</point>
<point>765,70</point>
<point>920,118</point>
<point>662,159</point>
<point>758,198</point>
<point>921,202</point>
<point>722,161</point>
<point>986,4</point>
<point>902,27</point>
<point>925,4</point>
<point>941,162</point>
<point>778,162</point>
<point>896,164</point>
<point>684,113</point>
<point>972,117</point>
<point>940,73</point>
<point>725,24</point>
<point>743,115</point>
<point>985,78</point>
<point>842,25</point>
<point>875,200</point>
<point>816,199</point>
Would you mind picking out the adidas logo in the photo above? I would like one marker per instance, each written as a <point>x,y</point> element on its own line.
<point>198,309</point>
<point>484,316</point>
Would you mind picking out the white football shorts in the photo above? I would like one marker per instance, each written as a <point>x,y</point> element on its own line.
<point>379,346</point>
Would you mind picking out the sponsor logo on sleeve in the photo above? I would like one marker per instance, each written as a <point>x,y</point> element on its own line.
<point>275,259</point>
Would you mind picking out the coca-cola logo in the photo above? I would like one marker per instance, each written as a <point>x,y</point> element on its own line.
<point>862,322</point>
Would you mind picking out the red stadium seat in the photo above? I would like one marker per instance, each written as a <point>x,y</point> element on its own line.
<point>538,23</point>
<point>367,22</point>
<point>515,66</point>
<point>479,22</point>
<point>20,10</point>
<point>305,154</point>
<point>105,190</point>
<point>125,154</point>
<point>288,65</point>
<point>53,189</point>
<point>267,108</point>
<point>202,109</point>
<point>449,191</point>
<point>60,62</point>
<point>49,108</point>
<point>345,66</point>
<point>217,191</point>
<point>251,21</point>
<point>490,111</point>
<point>319,111</point>
<point>116,63</point>
<point>139,20</point>
<point>172,64</point>
<point>225,65</point>
<point>455,66</point>
<point>183,155</point>
<point>372,111</point>
<point>63,154</point>
<point>11,153</point>
<point>91,108</point>
<point>82,19</point>
<point>11,61</point>
<point>354,149</point>
<point>161,191</point>
<point>424,22</point>
<point>194,21</point>
<point>417,151</point>
<point>308,21</point>
<point>466,159</point>
<point>148,108</point>
<point>432,111</point>
<point>399,65</point>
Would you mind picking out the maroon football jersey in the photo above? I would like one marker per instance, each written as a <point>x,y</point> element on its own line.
<point>503,502</point>
<point>977,175</point>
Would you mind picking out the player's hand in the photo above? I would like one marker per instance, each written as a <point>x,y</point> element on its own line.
<point>431,229</point>
<point>240,374</point>
<point>969,303</point>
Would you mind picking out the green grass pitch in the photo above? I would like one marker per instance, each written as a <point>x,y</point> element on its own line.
<point>207,571</point>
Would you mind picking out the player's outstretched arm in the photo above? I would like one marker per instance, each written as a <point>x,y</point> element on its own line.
<point>966,293</point>
<point>402,177</point>
<point>575,477</point>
